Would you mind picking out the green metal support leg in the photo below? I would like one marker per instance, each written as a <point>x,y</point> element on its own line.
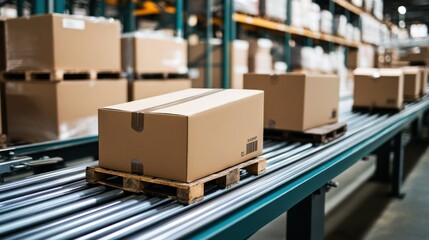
<point>398,166</point>
<point>70,6</point>
<point>306,220</point>
<point>208,48</point>
<point>38,7</point>
<point>179,18</point>
<point>59,6</point>
<point>127,8</point>
<point>287,38</point>
<point>20,7</point>
<point>226,40</point>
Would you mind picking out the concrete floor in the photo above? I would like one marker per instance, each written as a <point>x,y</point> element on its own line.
<point>407,218</point>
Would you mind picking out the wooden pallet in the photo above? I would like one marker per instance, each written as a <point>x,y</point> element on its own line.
<point>185,193</point>
<point>412,98</point>
<point>163,76</point>
<point>323,134</point>
<point>369,109</point>
<point>59,75</point>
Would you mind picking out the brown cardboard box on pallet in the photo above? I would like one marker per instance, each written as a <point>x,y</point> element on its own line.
<point>424,80</point>
<point>378,88</point>
<point>417,55</point>
<point>63,42</point>
<point>40,111</point>
<point>183,135</point>
<point>412,83</point>
<point>238,63</point>
<point>2,44</point>
<point>150,88</point>
<point>297,101</point>
<point>153,53</point>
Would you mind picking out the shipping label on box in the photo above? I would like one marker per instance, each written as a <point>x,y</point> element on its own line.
<point>183,135</point>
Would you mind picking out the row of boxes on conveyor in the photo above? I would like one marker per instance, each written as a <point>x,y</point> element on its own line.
<point>59,69</point>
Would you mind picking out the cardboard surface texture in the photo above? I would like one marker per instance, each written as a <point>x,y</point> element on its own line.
<point>2,44</point>
<point>63,42</point>
<point>150,88</point>
<point>381,88</point>
<point>40,111</point>
<point>153,53</point>
<point>412,82</point>
<point>424,80</point>
<point>183,135</point>
<point>297,101</point>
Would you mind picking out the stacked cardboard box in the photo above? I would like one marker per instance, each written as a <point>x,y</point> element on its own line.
<point>247,6</point>
<point>416,56</point>
<point>297,101</point>
<point>326,18</point>
<point>412,83</point>
<point>275,9</point>
<point>55,108</point>
<point>184,135</point>
<point>238,60</point>
<point>378,88</point>
<point>156,63</point>
<point>260,59</point>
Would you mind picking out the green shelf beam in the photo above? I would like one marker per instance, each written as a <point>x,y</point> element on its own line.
<point>332,10</point>
<point>179,18</point>
<point>59,6</point>
<point>226,40</point>
<point>287,38</point>
<point>38,7</point>
<point>208,83</point>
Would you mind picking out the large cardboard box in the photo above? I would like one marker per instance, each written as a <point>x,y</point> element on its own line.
<point>297,101</point>
<point>63,42</point>
<point>238,63</point>
<point>183,135</point>
<point>412,82</point>
<point>150,88</point>
<point>40,111</point>
<point>154,53</point>
<point>380,88</point>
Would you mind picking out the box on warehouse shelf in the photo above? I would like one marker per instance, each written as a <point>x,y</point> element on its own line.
<point>416,55</point>
<point>260,59</point>
<point>378,88</point>
<point>183,135</point>
<point>63,42</point>
<point>51,110</point>
<point>153,52</point>
<point>275,9</point>
<point>368,5</point>
<point>153,87</point>
<point>297,101</point>
<point>358,3</point>
<point>247,6</point>
<point>412,83</point>
<point>238,63</point>
<point>378,9</point>
<point>326,19</point>
<point>340,25</point>
<point>297,8</point>
<point>313,17</point>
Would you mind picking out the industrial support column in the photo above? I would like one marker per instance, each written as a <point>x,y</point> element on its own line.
<point>346,48</point>
<point>306,220</point>
<point>226,40</point>
<point>59,6</point>
<point>127,7</point>
<point>38,7</point>
<point>287,38</point>
<point>70,6</point>
<point>97,8</point>
<point>382,170</point>
<point>208,47</point>
<point>179,18</point>
<point>398,165</point>
<point>20,8</point>
<point>332,10</point>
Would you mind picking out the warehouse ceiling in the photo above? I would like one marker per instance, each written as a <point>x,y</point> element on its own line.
<point>417,11</point>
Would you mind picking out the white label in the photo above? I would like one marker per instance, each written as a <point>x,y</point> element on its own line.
<point>73,24</point>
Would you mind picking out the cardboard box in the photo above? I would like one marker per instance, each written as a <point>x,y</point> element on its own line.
<point>260,59</point>
<point>63,42</point>
<point>183,135</point>
<point>154,53</point>
<point>412,82</point>
<point>275,9</point>
<point>238,61</point>
<point>417,55</point>
<point>150,88</point>
<point>424,80</point>
<point>297,101</point>
<point>40,111</point>
<point>381,88</point>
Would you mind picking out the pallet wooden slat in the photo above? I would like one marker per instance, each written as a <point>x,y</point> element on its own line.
<point>160,76</point>
<point>185,193</point>
<point>59,75</point>
<point>321,134</point>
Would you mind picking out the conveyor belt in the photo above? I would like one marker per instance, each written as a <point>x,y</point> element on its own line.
<point>60,205</point>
